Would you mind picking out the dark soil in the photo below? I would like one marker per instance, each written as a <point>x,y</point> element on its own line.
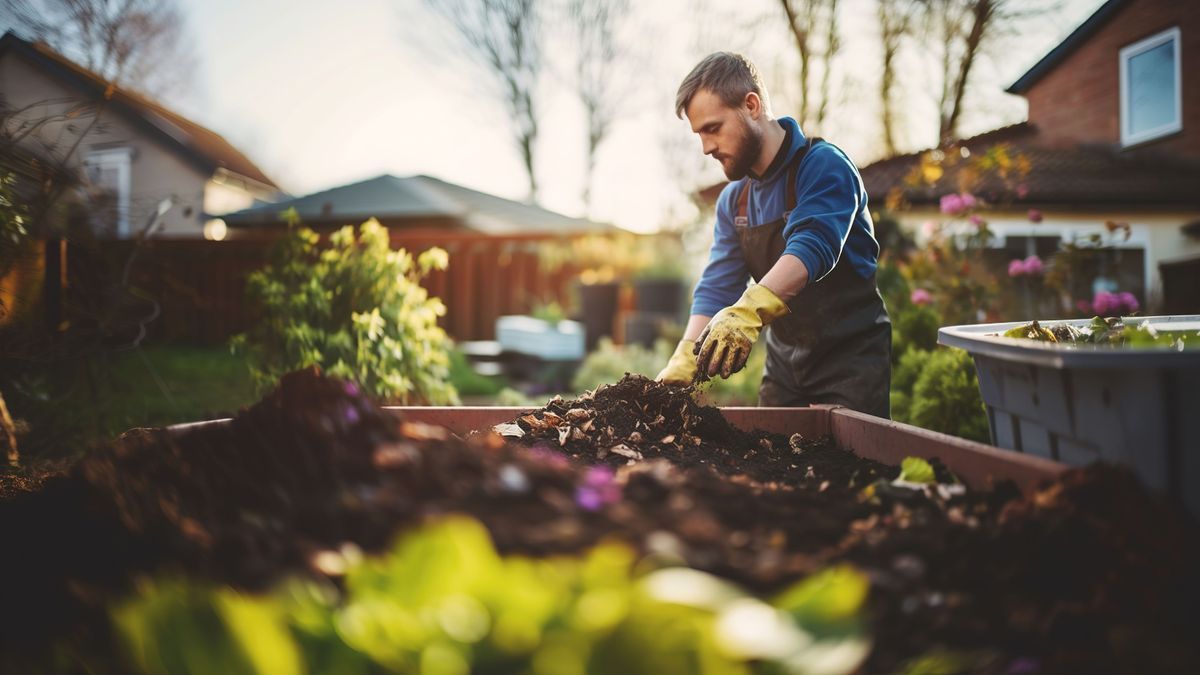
<point>1088,574</point>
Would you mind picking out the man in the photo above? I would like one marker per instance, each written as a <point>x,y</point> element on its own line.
<point>794,218</point>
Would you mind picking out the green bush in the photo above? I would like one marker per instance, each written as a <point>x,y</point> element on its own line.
<point>609,363</point>
<point>444,601</point>
<point>914,327</point>
<point>356,309</point>
<point>945,396</point>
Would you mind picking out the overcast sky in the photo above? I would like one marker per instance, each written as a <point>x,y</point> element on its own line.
<point>322,94</point>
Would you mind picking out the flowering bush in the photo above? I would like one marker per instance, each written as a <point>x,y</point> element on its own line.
<point>356,309</point>
<point>957,204</point>
<point>1112,304</point>
<point>1031,266</point>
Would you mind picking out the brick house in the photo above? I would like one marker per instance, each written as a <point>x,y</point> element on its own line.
<point>1113,134</point>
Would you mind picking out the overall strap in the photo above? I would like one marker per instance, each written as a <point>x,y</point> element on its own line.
<point>743,198</point>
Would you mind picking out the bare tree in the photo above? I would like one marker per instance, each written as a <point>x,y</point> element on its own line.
<point>137,44</point>
<point>963,31</point>
<point>504,38</point>
<point>814,28</point>
<point>596,24</point>
<point>833,44</point>
<point>895,23</point>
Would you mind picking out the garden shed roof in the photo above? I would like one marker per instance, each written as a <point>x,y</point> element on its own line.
<point>416,199</point>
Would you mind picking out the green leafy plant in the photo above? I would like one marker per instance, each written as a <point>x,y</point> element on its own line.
<point>444,601</point>
<point>946,398</point>
<point>916,470</point>
<point>356,309</point>
<point>609,363</point>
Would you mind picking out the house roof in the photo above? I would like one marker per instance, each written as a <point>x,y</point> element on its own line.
<point>1080,176</point>
<point>391,198</point>
<point>1067,47</point>
<point>202,146</point>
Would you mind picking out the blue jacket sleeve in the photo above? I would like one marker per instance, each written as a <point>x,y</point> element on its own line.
<point>828,197</point>
<point>724,278</point>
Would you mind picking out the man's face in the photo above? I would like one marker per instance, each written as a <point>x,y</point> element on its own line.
<point>725,133</point>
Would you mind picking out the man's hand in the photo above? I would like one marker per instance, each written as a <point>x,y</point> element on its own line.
<point>725,344</point>
<point>681,368</point>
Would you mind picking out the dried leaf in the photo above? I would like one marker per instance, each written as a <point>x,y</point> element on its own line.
<point>510,430</point>
<point>668,439</point>
<point>625,451</point>
<point>796,443</point>
<point>578,435</point>
<point>552,419</point>
<point>635,437</point>
<point>587,426</point>
<point>563,433</point>
<point>577,414</point>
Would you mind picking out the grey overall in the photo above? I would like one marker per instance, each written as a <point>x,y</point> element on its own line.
<point>835,345</point>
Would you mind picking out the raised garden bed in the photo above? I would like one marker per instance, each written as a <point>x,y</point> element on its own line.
<point>1113,395</point>
<point>1024,568</point>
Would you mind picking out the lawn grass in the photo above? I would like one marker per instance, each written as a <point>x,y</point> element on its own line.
<point>70,406</point>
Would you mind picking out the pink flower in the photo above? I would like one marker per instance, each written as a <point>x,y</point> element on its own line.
<point>1022,191</point>
<point>1034,265</point>
<point>1083,306</point>
<point>1128,301</point>
<point>951,204</point>
<point>1106,304</point>
<point>955,204</point>
<point>1016,267</point>
<point>920,296</point>
<point>976,220</point>
<point>1035,216</point>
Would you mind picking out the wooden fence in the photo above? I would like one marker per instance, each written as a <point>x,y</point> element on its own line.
<point>199,286</point>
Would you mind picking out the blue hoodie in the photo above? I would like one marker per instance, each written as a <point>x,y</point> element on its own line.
<point>830,225</point>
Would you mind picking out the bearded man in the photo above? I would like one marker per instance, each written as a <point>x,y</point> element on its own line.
<point>793,218</point>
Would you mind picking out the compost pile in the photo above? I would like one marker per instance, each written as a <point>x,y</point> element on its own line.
<point>1087,574</point>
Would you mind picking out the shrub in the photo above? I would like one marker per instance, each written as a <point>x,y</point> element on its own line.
<point>945,396</point>
<point>356,309</point>
<point>914,327</point>
<point>609,363</point>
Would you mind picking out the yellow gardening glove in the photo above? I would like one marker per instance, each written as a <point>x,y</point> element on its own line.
<point>682,366</point>
<point>725,344</point>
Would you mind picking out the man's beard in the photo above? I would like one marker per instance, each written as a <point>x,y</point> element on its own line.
<point>747,153</point>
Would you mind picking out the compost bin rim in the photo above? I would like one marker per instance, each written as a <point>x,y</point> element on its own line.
<point>867,435</point>
<point>979,340</point>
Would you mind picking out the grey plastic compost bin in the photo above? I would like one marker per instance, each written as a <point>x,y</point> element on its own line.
<point>1081,403</point>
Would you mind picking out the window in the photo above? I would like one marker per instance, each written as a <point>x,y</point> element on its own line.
<point>1150,88</point>
<point>108,174</point>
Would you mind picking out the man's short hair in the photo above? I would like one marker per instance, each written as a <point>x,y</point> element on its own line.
<point>730,76</point>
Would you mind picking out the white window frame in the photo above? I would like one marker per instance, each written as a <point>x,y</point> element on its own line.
<point>120,159</point>
<point>1127,53</point>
